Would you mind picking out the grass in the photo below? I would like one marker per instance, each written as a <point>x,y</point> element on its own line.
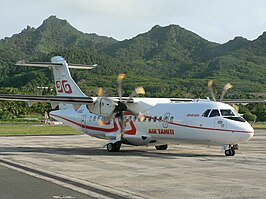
<point>24,129</point>
<point>259,125</point>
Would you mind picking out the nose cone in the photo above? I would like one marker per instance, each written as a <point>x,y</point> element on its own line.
<point>242,131</point>
<point>248,132</point>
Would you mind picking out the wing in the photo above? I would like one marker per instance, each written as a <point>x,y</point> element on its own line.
<point>242,101</point>
<point>54,100</point>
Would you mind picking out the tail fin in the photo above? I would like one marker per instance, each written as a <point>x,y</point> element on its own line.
<point>64,84</point>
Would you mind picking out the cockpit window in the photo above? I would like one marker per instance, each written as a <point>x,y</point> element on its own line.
<point>227,112</point>
<point>214,113</point>
<point>206,113</point>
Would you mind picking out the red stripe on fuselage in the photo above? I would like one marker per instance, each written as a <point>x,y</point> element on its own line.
<point>210,129</point>
<point>115,128</point>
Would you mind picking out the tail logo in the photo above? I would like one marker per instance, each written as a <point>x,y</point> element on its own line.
<point>63,87</point>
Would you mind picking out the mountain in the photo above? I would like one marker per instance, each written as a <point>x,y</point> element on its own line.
<point>53,35</point>
<point>162,48</point>
<point>168,61</point>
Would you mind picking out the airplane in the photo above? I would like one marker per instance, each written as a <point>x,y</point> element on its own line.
<point>141,121</point>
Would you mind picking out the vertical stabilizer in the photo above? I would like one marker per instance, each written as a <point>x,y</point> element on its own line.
<point>64,84</point>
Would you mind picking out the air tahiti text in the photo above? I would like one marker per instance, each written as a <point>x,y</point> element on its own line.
<point>162,131</point>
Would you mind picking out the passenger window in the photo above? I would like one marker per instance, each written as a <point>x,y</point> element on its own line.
<point>145,119</point>
<point>171,119</point>
<point>214,113</point>
<point>206,113</point>
<point>149,119</point>
<point>166,119</point>
<point>154,119</point>
<point>160,118</point>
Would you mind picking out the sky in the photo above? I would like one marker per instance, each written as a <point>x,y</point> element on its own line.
<point>215,20</point>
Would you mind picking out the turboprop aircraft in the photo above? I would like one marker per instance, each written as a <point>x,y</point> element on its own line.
<point>140,121</point>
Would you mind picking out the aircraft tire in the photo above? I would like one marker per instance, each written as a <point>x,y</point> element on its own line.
<point>117,146</point>
<point>113,147</point>
<point>110,147</point>
<point>161,147</point>
<point>233,152</point>
<point>230,152</point>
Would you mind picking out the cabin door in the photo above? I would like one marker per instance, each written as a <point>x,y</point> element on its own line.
<point>83,123</point>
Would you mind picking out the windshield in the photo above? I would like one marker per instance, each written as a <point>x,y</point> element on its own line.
<point>227,113</point>
<point>214,113</point>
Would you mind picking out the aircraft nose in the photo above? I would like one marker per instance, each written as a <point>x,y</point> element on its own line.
<point>248,132</point>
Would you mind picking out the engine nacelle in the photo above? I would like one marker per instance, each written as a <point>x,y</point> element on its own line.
<point>102,106</point>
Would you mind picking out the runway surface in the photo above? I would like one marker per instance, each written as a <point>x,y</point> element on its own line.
<point>14,184</point>
<point>183,171</point>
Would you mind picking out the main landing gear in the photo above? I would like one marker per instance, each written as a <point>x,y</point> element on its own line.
<point>230,150</point>
<point>161,147</point>
<point>113,147</point>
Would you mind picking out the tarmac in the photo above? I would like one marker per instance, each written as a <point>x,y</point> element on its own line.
<point>78,167</point>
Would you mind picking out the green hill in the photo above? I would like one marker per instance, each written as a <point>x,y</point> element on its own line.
<point>168,61</point>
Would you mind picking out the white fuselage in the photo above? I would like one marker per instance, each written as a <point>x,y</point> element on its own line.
<point>165,123</point>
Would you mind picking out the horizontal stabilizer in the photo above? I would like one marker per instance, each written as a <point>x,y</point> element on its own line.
<point>50,64</point>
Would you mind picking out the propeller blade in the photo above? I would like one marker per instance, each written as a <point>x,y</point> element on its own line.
<point>101,122</point>
<point>236,107</point>
<point>119,84</point>
<point>100,92</point>
<point>141,117</point>
<point>137,91</point>
<point>225,89</point>
<point>140,90</point>
<point>121,76</point>
<point>210,83</point>
<point>122,122</point>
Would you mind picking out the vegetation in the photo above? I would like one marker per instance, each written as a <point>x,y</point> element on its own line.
<point>168,61</point>
<point>21,129</point>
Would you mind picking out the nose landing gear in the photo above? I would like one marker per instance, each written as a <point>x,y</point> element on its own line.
<point>230,150</point>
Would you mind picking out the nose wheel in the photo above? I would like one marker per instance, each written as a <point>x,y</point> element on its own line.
<point>230,150</point>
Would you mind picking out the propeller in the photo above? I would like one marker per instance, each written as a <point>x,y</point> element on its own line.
<point>225,89</point>
<point>122,106</point>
